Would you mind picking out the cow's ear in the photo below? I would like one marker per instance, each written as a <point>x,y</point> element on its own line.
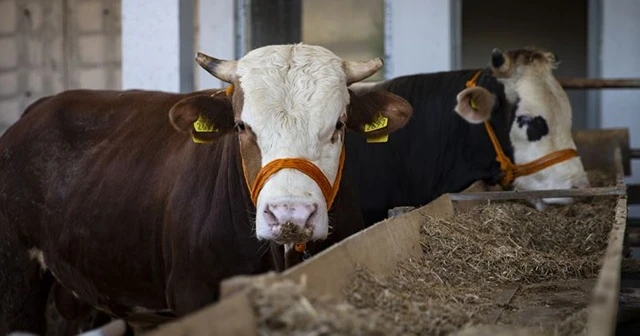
<point>475,104</point>
<point>377,113</point>
<point>206,118</point>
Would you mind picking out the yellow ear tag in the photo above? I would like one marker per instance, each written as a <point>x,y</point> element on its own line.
<point>202,125</point>
<point>380,123</point>
<point>473,104</point>
<point>198,141</point>
<point>380,139</point>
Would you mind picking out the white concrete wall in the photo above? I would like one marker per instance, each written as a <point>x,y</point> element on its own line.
<point>153,45</point>
<point>621,58</point>
<point>419,36</point>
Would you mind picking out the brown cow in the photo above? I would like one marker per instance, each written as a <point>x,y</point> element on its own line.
<point>99,190</point>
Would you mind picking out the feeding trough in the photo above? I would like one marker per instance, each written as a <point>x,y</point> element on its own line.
<point>477,262</point>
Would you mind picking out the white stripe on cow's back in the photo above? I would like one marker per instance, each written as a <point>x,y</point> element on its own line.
<point>113,328</point>
<point>36,254</point>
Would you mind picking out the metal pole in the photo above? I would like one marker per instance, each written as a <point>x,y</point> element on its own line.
<point>511,195</point>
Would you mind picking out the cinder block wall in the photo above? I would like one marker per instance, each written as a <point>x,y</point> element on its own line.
<point>47,46</point>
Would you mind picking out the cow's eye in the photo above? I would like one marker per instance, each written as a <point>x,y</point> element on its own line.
<point>240,126</point>
<point>339,125</point>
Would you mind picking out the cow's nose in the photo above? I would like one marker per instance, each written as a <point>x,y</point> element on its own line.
<point>299,214</point>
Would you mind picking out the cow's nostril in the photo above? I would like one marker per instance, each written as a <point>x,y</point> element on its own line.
<point>312,214</point>
<point>299,214</point>
<point>270,216</point>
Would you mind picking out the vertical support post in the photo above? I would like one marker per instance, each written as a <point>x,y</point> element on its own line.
<point>594,52</point>
<point>275,22</point>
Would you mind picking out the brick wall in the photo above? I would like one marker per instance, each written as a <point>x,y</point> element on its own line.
<point>47,46</point>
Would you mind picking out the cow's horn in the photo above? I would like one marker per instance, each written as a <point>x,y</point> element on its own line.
<point>221,69</point>
<point>357,71</point>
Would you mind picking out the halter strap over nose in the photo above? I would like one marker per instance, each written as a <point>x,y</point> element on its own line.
<point>329,191</point>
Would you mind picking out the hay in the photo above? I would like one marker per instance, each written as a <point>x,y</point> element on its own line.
<point>480,269</point>
<point>282,309</point>
<point>475,260</point>
<point>290,232</point>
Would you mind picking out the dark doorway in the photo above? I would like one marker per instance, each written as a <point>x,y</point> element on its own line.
<point>559,26</point>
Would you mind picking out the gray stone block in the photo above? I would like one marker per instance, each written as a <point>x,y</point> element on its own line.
<point>8,16</point>
<point>8,83</point>
<point>8,53</point>
<point>88,16</point>
<point>92,49</point>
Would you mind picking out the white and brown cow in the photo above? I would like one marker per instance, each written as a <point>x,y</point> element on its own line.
<point>142,202</point>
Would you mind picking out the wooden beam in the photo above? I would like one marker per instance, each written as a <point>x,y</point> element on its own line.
<point>599,83</point>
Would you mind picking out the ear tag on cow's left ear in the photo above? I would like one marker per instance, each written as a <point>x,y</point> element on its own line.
<point>379,123</point>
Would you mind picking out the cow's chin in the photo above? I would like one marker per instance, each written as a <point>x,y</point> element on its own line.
<point>544,203</point>
<point>545,181</point>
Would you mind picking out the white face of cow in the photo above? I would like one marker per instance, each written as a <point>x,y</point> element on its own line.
<point>542,123</point>
<point>292,101</point>
<point>295,102</point>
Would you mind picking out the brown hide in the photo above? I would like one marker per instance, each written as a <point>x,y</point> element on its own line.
<point>131,214</point>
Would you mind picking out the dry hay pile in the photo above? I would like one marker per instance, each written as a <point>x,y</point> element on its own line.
<point>282,309</point>
<point>466,282</point>
<point>475,262</point>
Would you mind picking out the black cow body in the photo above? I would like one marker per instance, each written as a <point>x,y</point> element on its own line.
<point>435,153</point>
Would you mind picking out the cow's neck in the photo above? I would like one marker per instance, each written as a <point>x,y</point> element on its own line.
<point>500,123</point>
<point>241,212</point>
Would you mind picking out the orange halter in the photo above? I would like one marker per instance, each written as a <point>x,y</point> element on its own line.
<point>305,166</point>
<point>329,191</point>
<point>510,170</point>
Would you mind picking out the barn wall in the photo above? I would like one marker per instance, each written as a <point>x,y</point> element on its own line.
<point>620,58</point>
<point>47,46</point>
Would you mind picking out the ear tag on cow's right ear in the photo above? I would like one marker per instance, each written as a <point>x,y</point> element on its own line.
<point>473,104</point>
<point>202,125</point>
<point>379,123</point>
<point>380,139</point>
